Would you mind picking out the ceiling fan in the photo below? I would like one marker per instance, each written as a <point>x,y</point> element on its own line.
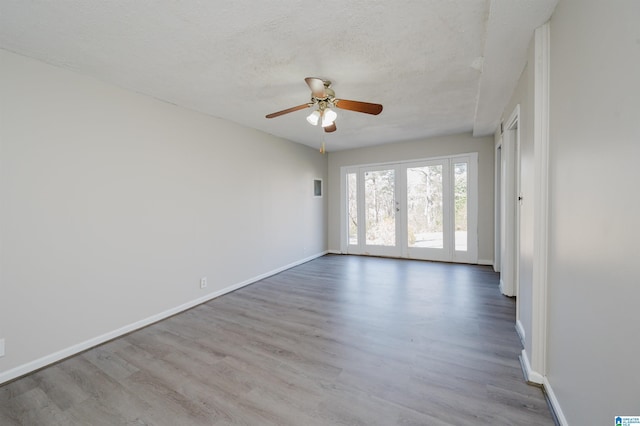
<point>324,98</point>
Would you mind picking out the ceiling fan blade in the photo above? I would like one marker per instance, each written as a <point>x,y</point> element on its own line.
<point>331,128</point>
<point>317,87</point>
<point>358,106</point>
<point>287,111</point>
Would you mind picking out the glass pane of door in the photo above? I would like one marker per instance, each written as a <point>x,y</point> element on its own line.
<point>460,182</point>
<point>425,207</point>
<point>380,207</point>
<point>352,208</point>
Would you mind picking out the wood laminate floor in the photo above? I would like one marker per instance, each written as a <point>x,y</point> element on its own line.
<point>341,340</point>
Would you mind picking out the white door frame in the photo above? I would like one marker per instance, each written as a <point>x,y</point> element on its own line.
<point>497,190</point>
<point>537,370</point>
<point>508,211</point>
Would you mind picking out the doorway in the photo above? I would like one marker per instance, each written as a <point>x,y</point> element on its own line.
<point>425,209</point>
<point>509,211</point>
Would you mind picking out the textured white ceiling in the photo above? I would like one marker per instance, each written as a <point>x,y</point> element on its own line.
<point>437,66</point>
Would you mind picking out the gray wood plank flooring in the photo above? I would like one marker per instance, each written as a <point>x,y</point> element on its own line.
<point>341,340</point>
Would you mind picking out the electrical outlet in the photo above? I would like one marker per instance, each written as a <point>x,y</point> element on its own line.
<point>1,347</point>
<point>203,282</point>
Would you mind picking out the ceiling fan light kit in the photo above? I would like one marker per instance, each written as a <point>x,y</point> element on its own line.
<point>313,118</point>
<point>328,117</point>
<point>324,98</point>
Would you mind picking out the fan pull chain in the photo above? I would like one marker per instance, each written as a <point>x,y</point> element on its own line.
<point>322,139</point>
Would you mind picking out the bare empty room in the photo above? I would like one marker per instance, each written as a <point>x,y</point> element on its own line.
<point>342,213</point>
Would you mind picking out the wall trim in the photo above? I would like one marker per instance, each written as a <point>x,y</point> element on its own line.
<point>334,252</point>
<point>497,206</point>
<point>47,360</point>
<point>535,379</point>
<point>521,332</point>
<point>485,262</point>
<point>553,402</point>
<point>530,376</point>
<point>541,200</point>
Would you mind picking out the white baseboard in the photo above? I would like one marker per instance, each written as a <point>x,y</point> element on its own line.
<point>555,405</point>
<point>29,367</point>
<point>529,375</point>
<point>485,262</point>
<point>334,252</point>
<point>537,379</point>
<point>503,289</point>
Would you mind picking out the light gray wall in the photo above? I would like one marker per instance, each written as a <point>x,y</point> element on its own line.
<point>115,204</point>
<point>594,284</point>
<point>594,143</point>
<point>401,151</point>
<point>523,96</point>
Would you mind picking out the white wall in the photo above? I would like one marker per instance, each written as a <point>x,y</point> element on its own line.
<point>594,284</point>
<point>115,204</point>
<point>433,147</point>
<point>523,96</point>
<point>594,146</point>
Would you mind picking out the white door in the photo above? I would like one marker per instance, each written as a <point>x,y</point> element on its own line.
<point>427,215</point>
<point>372,202</point>
<point>420,210</point>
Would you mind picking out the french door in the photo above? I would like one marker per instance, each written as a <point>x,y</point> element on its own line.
<point>425,209</point>
<point>374,202</point>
